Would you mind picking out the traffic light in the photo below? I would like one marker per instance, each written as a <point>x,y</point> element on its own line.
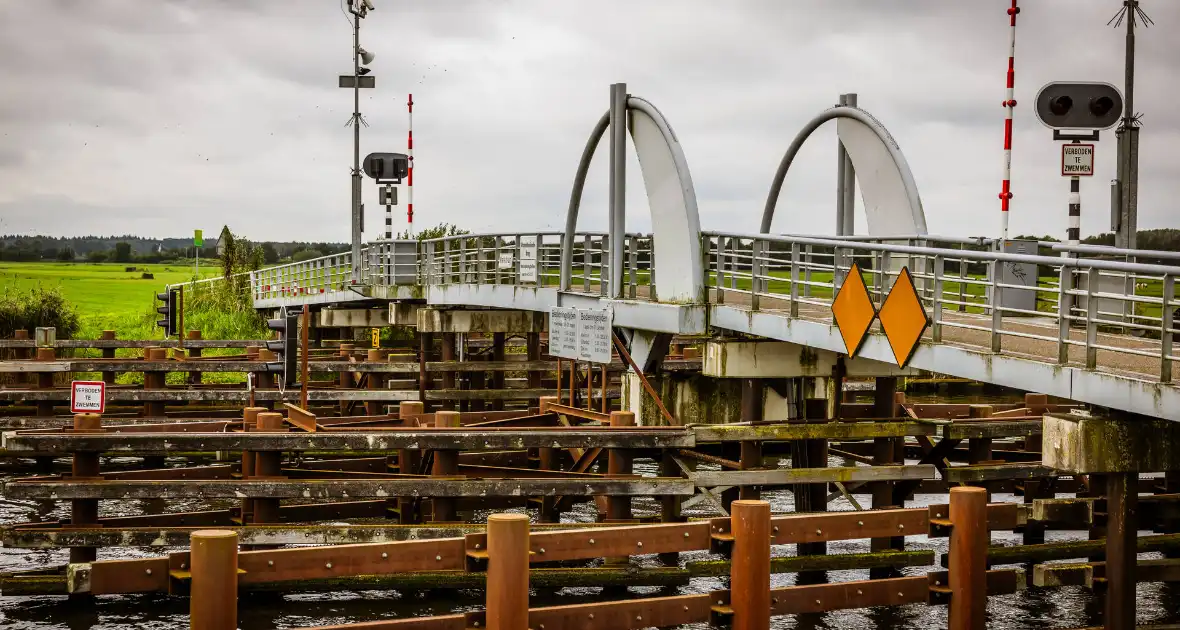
<point>286,346</point>
<point>1073,105</point>
<point>387,167</point>
<point>168,311</point>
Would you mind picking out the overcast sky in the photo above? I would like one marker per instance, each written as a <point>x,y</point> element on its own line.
<point>154,118</point>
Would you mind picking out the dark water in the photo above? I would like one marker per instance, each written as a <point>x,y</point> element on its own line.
<point>1068,607</point>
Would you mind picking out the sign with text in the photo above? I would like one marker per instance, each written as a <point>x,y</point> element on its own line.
<point>528,259</point>
<point>1077,160</point>
<point>594,335</point>
<point>563,332</point>
<point>506,261</point>
<point>88,397</point>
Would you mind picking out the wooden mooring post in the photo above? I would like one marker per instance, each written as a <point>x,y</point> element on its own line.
<point>508,572</point>
<point>213,599</point>
<point>967,577</point>
<point>84,512</point>
<point>749,592</point>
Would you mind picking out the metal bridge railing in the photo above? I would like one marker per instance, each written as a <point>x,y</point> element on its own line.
<point>497,259</point>
<point>308,277</point>
<point>1074,303</point>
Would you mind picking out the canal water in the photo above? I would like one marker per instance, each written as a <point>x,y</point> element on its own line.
<point>1067,607</point>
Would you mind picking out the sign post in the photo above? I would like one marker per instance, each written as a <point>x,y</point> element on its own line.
<point>88,397</point>
<point>198,243</point>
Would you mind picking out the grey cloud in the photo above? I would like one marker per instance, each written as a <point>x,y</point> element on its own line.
<point>124,116</point>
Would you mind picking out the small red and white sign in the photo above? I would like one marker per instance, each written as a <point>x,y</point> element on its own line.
<point>88,397</point>
<point>1077,160</point>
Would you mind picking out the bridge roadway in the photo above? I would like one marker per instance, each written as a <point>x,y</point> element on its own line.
<point>1111,346</point>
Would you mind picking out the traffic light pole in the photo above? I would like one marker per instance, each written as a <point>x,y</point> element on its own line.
<point>1073,234</point>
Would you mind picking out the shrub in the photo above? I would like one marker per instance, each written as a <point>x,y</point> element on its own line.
<point>37,307</point>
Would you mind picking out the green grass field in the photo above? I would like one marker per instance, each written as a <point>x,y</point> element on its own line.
<point>99,289</point>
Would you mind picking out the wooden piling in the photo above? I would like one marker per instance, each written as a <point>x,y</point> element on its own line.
<point>108,353</point>
<point>213,598</point>
<point>344,379</point>
<point>884,454</point>
<point>194,378</point>
<point>1121,558</point>
<point>547,460</point>
<point>967,576</point>
<point>533,348</point>
<point>446,464</point>
<point>749,582</point>
<point>619,462</point>
<point>249,423</point>
<point>154,379</point>
<point>268,465</point>
<point>45,381</point>
<point>375,407</point>
<point>751,453</point>
<point>407,462</point>
<point>448,377</point>
<point>508,572</point>
<point>84,512</point>
<point>22,354</point>
<point>498,375</point>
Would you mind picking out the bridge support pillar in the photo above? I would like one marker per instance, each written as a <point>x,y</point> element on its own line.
<point>1117,449</point>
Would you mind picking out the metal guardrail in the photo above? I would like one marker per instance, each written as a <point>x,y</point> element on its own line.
<point>793,273</point>
<point>963,286</point>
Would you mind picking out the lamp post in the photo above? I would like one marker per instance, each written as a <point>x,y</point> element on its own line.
<point>359,9</point>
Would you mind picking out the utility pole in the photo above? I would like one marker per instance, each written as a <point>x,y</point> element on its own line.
<point>1124,217</point>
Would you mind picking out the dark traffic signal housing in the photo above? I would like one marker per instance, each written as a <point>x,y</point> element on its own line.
<point>1078,105</point>
<point>168,311</point>
<point>387,167</point>
<point>286,346</point>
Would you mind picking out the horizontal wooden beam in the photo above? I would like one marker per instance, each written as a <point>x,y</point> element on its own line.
<point>345,488</point>
<point>53,538</point>
<point>974,474</point>
<point>189,394</point>
<point>810,431</point>
<point>390,439</point>
<point>784,476</point>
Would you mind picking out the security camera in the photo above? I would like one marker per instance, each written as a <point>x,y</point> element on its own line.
<point>368,4</point>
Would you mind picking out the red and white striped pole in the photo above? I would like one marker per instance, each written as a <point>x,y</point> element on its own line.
<point>1009,104</point>
<point>410,170</point>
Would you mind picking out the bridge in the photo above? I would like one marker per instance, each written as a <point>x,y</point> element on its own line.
<point>1087,323</point>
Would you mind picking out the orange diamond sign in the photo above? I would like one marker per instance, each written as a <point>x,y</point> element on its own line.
<point>903,318</point>
<point>853,310</point>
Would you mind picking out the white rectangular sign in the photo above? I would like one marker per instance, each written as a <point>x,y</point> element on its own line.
<point>88,397</point>
<point>528,259</point>
<point>1077,160</point>
<point>506,261</point>
<point>563,332</point>
<point>594,335</point>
